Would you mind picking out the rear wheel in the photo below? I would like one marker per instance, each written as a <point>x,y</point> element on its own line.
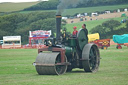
<point>91,58</point>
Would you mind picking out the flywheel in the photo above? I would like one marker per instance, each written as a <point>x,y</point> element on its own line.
<point>90,58</point>
<point>50,64</point>
<point>81,39</point>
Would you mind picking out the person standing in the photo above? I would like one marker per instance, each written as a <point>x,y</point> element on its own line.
<point>75,31</point>
<point>86,31</point>
<point>84,27</point>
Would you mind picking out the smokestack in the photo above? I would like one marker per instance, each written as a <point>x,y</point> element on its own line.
<point>58,26</point>
<point>64,4</point>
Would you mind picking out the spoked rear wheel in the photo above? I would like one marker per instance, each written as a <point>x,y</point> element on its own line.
<point>91,58</point>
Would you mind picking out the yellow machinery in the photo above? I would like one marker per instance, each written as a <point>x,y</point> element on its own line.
<point>92,37</point>
<point>101,43</point>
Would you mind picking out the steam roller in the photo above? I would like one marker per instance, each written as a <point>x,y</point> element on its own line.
<point>62,54</point>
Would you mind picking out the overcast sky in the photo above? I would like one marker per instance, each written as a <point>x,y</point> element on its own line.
<point>20,0</point>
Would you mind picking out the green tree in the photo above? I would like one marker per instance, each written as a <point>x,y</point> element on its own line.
<point>45,5</point>
<point>52,4</point>
<point>21,24</point>
<point>99,29</point>
<point>111,24</point>
<point>107,29</point>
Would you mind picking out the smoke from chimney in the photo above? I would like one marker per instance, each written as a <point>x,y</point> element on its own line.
<point>67,3</point>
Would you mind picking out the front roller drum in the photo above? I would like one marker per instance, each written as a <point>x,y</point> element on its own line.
<point>50,64</point>
<point>90,57</point>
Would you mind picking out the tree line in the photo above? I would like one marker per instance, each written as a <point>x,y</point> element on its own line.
<point>45,5</point>
<point>109,28</point>
<point>52,4</point>
<point>20,24</point>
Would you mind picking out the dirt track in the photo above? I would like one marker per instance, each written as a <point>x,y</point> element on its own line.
<point>101,16</point>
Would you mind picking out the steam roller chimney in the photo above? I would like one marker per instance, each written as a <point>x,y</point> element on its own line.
<point>58,26</point>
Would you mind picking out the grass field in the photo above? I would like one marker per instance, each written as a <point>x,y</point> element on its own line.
<point>93,9</point>
<point>16,69</point>
<point>91,24</point>
<point>9,7</point>
<point>86,9</point>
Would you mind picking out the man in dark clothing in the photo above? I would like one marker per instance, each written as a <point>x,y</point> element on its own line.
<point>86,31</point>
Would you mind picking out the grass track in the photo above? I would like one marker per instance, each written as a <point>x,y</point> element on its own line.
<point>16,69</point>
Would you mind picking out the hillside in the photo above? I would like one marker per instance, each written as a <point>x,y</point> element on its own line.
<point>23,21</point>
<point>91,24</point>
<point>94,9</point>
<point>9,7</point>
<point>99,17</point>
<point>74,11</point>
<point>62,4</point>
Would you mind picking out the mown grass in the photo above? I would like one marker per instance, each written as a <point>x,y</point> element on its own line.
<point>9,7</point>
<point>16,69</point>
